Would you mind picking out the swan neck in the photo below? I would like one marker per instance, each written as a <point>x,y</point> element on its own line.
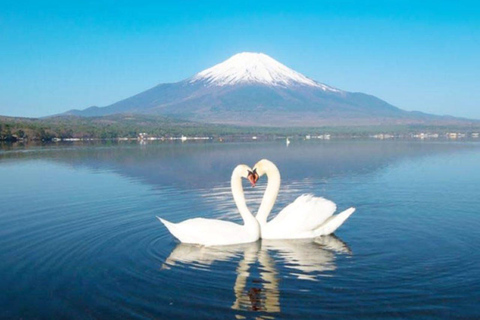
<point>271,192</point>
<point>239,198</point>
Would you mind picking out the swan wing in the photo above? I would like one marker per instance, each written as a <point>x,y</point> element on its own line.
<point>303,215</point>
<point>209,232</point>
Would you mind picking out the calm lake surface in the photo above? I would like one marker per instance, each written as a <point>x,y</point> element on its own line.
<point>79,238</point>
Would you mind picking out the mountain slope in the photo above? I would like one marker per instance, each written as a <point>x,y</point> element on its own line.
<point>254,89</point>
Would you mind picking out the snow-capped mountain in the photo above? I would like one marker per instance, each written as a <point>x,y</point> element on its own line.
<point>254,68</point>
<point>254,89</point>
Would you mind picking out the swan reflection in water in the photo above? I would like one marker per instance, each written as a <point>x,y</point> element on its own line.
<point>303,259</point>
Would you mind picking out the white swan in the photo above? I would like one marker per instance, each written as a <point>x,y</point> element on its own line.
<point>213,232</point>
<point>306,217</point>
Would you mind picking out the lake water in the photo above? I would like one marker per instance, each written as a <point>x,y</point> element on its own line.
<point>79,238</point>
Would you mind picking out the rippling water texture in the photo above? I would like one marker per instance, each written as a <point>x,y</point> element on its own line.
<point>79,238</point>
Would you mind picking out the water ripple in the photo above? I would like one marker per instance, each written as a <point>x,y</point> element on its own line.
<point>79,237</point>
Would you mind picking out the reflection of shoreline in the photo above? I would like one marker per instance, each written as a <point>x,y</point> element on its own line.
<point>305,259</point>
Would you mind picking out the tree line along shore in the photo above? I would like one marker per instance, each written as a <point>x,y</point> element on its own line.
<point>117,127</point>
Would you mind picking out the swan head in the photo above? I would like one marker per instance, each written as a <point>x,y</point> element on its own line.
<point>253,177</point>
<point>259,169</point>
<point>246,172</point>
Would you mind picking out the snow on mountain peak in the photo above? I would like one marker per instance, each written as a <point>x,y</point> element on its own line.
<point>249,67</point>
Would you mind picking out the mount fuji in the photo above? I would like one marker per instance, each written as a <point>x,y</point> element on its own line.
<point>254,89</point>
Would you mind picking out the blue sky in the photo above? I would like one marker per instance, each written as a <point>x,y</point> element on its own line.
<point>60,55</point>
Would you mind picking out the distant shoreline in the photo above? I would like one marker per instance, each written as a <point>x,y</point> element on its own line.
<point>453,136</point>
<point>152,128</point>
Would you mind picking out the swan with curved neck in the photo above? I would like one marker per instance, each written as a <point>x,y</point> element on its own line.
<point>306,217</point>
<point>211,232</point>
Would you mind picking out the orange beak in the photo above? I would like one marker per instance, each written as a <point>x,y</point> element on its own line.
<point>252,177</point>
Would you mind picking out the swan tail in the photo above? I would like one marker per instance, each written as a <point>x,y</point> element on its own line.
<point>170,226</point>
<point>165,222</point>
<point>333,223</point>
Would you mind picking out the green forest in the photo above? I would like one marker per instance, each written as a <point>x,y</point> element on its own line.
<point>130,126</point>
<point>109,127</point>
